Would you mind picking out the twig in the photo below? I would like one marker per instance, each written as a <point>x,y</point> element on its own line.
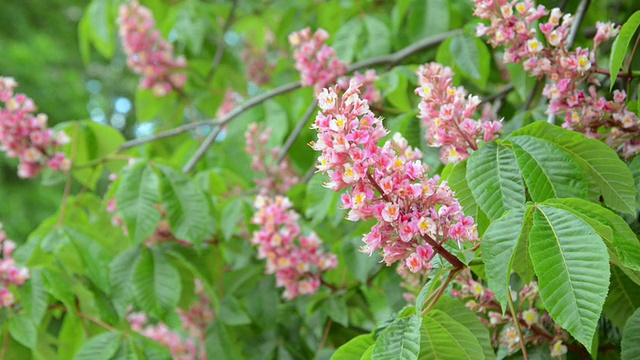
<point>326,333</point>
<point>391,60</point>
<point>440,291</point>
<point>517,324</point>
<point>308,175</point>
<point>500,94</point>
<point>97,322</point>
<point>217,58</point>
<point>165,134</point>
<point>296,132</point>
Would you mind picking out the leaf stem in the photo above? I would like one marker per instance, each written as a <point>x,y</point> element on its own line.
<point>325,335</point>
<point>433,299</point>
<point>516,322</point>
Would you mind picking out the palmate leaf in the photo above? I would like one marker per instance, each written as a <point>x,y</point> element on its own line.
<point>610,175</point>
<point>572,265</point>
<point>443,338</point>
<point>548,171</point>
<point>137,195</point>
<point>495,180</point>
<point>399,341</point>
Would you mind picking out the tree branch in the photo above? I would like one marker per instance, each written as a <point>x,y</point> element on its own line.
<point>296,132</point>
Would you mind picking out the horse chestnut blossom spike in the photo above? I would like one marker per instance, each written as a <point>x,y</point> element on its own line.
<point>11,274</point>
<point>583,110</point>
<point>317,63</point>
<point>415,214</point>
<point>24,135</point>
<point>448,113</point>
<point>298,265</point>
<point>148,54</point>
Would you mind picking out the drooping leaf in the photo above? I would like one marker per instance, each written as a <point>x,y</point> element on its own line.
<point>156,282</point>
<point>572,265</point>
<point>621,45</point>
<point>548,171</point>
<point>346,40</point>
<point>603,167</point>
<point>495,180</point>
<point>354,348</point>
<point>399,341</point>
<point>23,330</point>
<point>136,199</point>
<point>120,274</point>
<point>100,347</point>
<point>441,337</point>
<point>631,338</point>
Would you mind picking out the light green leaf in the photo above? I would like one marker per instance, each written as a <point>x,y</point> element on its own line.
<point>277,120</point>
<point>498,246</point>
<point>120,274</point>
<point>443,338</point>
<point>186,206</point>
<point>378,38</point>
<point>94,257</point>
<point>428,18</point>
<point>635,172</point>
<point>220,344</point>
<point>230,215</point>
<point>156,282</point>
<point>399,341</point>
<point>318,200</point>
<point>102,32</point>
<point>494,180</point>
<point>232,313</point>
<point>150,107</point>
<point>101,347</point>
<point>337,310</point>
<point>136,199</point>
<point>466,55</point>
<point>72,336</point>
<point>23,330</point>
<point>354,348</point>
<point>623,298</point>
<point>572,265</point>
<point>548,171</point>
<point>34,297</point>
<point>617,234</point>
<point>346,40</point>
<point>631,338</point>
<point>621,44</point>
<point>601,164</point>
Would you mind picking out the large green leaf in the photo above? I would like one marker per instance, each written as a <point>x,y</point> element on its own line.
<point>548,171</point>
<point>631,338</point>
<point>71,337</point>
<point>120,274</point>
<point>443,338</point>
<point>23,330</point>
<point>572,265</point>
<point>603,167</point>
<point>378,38</point>
<point>399,341</point>
<point>495,180</point>
<point>623,298</point>
<point>621,44</point>
<point>186,206</point>
<point>156,282</point>
<point>346,40</point>
<point>617,234</point>
<point>498,246</point>
<point>34,297</point>
<point>94,257</point>
<point>136,199</point>
<point>354,348</point>
<point>101,347</point>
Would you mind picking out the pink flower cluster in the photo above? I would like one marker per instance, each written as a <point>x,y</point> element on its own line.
<point>194,322</point>
<point>368,90</point>
<point>538,329</point>
<point>545,53</point>
<point>148,53</point>
<point>298,265</point>
<point>415,214</point>
<point>10,273</point>
<point>448,114</point>
<point>317,63</point>
<point>278,178</point>
<point>25,135</point>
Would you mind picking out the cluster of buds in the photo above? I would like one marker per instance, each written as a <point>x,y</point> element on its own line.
<point>10,273</point>
<point>298,265</point>
<point>257,65</point>
<point>278,178</point>
<point>180,346</point>
<point>448,114</point>
<point>545,53</point>
<point>317,63</point>
<point>24,135</point>
<point>148,54</point>
<point>368,90</point>
<point>415,214</point>
<point>535,327</point>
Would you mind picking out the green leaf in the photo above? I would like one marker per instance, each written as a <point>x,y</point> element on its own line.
<point>71,337</point>
<point>498,247</point>
<point>432,283</point>
<point>346,40</point>
<point>219,343</point>
<point>34,297</point>
<point>466,55</point>
<point>150,107</point>
<point>354,348</point>
<point>101,347</point>
<point>23,330</point>
<point>548,171</point>
<point>635,172</point>
<point>396,92</point>
<point>102,32</point>
<point>156,282</point>
<point>572,266</point>
<point>94,257</point>
<point>631,338</point>
<point>441,337</point>
<point>136,199</point>
<point>276,120</point>
<point>617,234</point>
<point>428,18</point>
<point>623,298</point>
<point>378,38</point>
<point>621,44</point>
<point>231,313</point>
<point>120,274</point>
<point>495,181</point>
<point>230,215</point>
<point>399,341</point>
<point>521,262</point>
<point>360,265</point>
<point>601,164</point>
<point>319,200</point>
<point>337,310</point>
<point>186,206</point>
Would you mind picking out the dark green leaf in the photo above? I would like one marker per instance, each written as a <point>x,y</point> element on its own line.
<point>621,44</point>
<point>631,338</point>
